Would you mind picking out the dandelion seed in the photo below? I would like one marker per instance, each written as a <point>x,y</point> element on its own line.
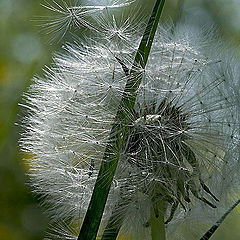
<point>76,16</point>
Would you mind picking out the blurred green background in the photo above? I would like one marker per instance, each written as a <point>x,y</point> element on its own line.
<point>24,50</point>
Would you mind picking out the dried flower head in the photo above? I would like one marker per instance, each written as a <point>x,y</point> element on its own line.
<point>182,148</point>
<point>182,144</point>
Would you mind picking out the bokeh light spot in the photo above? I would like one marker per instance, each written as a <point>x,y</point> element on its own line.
<point>26,48</point>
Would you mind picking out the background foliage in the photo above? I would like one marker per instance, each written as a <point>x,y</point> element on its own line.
<point>24,50</point>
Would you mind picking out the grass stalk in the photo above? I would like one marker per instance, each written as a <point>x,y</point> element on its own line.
<point>108,166</point>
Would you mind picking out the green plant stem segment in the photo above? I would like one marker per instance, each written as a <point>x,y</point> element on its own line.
<point>108,166</point>
<point>157,221</point>
<point>211,231</point>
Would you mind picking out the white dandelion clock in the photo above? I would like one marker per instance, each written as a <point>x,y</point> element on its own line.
<point>180,148</point>
<point>69,129</point>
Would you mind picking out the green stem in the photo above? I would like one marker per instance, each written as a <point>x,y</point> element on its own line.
<point>111,156</point>
<point>211,231</point>
<point>157,11</point>
<point>157,221</point>
<point>148,36</point>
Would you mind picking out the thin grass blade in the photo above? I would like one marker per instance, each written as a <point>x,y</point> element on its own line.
<point>109,163</point>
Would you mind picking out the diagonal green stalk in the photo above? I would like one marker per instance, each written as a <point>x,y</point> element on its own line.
<point>153,18</point>
<point>111,156</point>
<point>211,231</point>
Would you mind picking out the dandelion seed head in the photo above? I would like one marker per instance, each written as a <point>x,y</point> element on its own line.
<point>182,139</point>
<point>185,127</point>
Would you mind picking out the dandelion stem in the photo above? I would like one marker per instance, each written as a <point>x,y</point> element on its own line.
<point>211,231</point>
<point>157,220</point>
<point>108,166</point>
